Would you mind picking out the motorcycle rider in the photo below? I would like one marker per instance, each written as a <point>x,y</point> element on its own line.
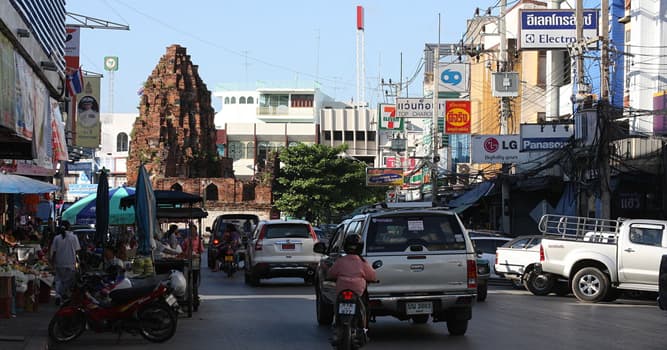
<point>353,272</point>
<point>230,239</point>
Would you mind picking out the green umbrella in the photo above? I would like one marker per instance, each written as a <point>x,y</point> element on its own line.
<point>84,210</point>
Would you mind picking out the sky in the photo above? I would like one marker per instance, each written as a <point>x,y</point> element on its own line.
<point>239,44</point>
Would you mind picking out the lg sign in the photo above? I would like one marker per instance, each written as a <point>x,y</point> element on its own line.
<point>491,145</point>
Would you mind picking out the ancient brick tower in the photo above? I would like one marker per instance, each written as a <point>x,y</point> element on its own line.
<point>174,135</point>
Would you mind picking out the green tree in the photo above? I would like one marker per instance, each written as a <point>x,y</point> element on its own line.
<point>316,184</point>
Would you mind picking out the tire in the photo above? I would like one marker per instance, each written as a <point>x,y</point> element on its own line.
<point>67,328</point>
<point>539,284</point>
<point>517,283</point>
<point>482,291</point>
<point>324,311</point>
<point>161,314</point>
<point>230,269</point>
<point>590,285</point>
<point>344,338</point>
<point>457,327</point>
<point>562,289</point>
<point>251,279</point>
<point>420,319</point>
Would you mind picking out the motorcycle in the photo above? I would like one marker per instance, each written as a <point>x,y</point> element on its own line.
<point>229,265</point>
<point>351,314</point>
<point>148,310</point>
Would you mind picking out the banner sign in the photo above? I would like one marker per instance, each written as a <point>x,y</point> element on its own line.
<point>397,162</point>
<point>72,44</point>
<point>453,77</point>
<point>659,116</point>
<point>388,119</point>
<point>554,29</point>
<point>87,114</point>
<point>496,149</point>
<point>457,117</point>
<point>384,176</point>
<point>545,137</point>
<point>418,107</point>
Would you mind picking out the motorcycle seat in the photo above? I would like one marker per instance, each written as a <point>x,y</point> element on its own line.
<point>120,296</point>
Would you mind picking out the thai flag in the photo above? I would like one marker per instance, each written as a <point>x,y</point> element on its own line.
<point>75,82</point>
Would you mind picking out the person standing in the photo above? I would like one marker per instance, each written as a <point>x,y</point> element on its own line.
<point>193,247</point>
<point>63,258</point>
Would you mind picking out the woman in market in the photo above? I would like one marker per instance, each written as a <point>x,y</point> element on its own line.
<point>63,258</point>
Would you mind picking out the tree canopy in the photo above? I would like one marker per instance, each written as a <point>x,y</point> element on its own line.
<point>316,184</point>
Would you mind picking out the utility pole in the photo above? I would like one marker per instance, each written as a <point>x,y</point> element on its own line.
<point>603,114</point>
<point>504,113</point>
<point>434,127</point>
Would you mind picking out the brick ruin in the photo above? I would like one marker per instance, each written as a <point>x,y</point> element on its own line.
<point>174,136</point>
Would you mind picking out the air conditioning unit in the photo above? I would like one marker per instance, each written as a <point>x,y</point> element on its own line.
<point>463,168</point>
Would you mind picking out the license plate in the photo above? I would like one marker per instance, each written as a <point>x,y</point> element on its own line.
<point>229,258</point>
<point>171,300</point>
<point>347,309</point>
<point>289,246</point>
<point>419,308</point>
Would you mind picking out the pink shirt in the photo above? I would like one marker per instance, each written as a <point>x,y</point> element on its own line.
<point>352,273</point>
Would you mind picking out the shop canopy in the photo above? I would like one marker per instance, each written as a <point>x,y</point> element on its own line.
<point>468,199</point>
<point>10,183</point>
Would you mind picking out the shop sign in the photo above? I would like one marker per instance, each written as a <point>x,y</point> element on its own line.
<point>457,117</point>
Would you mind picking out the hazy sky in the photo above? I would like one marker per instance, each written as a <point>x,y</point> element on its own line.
<point>238,43</point>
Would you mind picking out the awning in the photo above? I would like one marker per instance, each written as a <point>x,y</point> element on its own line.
<point>471,197</point>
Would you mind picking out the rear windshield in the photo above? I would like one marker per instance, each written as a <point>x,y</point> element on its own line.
<point>396,234</point>
<point>287,231</point>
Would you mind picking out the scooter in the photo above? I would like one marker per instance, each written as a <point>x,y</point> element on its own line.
<point>147,310</point>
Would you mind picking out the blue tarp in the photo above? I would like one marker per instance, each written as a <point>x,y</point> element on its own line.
<point>472,196</point>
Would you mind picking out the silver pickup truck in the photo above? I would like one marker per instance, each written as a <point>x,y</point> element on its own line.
<point>601,257</point>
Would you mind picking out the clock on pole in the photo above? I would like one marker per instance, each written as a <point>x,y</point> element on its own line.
<point>111,63</point>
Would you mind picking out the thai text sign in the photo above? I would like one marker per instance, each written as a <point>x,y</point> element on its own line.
<point>554,29</point>
<point>388,119</point>
<point>412,107</point>
<point>457,117</point>
<point>384,176</point>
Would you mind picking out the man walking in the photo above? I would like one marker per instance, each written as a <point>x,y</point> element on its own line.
<point>63,258</point>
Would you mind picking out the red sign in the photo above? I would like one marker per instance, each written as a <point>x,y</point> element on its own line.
<point>457,117</point>
<point>395,162</point>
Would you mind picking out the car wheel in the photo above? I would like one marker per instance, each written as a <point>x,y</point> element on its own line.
<point>324,310</point>
<point>539,284</point>
<point>562,289</point>
<point>251,279</point>
<point>482,291</point>
<point>590,285</point>
<point>457,327</point>
<point>420,319</point>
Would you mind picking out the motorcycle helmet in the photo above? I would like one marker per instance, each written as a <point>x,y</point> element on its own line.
<point>353,244</point>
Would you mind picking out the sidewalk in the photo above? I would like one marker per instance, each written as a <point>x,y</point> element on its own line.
<point>28,330</point>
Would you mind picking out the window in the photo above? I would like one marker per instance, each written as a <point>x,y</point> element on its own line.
<point>327,135</point>
<point>397,233</point>
<point>273,100</point>
<point>302,101</point>
<point>212,192</point>
<point>541,68</point>
<point>349,135</point>
<point>287,231</point>
<point>122,142</point>
<point>242,100</point>
<point>646,235</point>
<point>250,100</point>
<point>360,136</point>
<point>370,136</point>
<point>250,150</point>
<point>233,100</point>
<point>176,187</point>
<point>338,136</point>
<point>226,100</point>
<point>235,150</point>
<point>520,243</point>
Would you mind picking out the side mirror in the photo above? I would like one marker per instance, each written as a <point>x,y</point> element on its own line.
<point>479,252</point>
<point>320,248</point>
<point>377,264</point>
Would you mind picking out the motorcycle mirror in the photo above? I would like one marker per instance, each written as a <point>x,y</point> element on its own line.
<point>377,264</point>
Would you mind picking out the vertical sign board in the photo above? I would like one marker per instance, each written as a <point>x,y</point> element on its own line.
<point>496,149</point>
<point>453,77</point>
<point>554,29</point>
<point>72,47</point>
<point>388,118</point>
<point>457,117</point>
<point>545,137</point>
<point>660,115</point>
<point>88,114</point>
<point>384,177</point>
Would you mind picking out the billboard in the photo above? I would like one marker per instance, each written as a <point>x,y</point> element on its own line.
<point>496,149</point>
<point>418,107</point>
<point>453,77</point>
<point>457,117</point>
<point>660,116</point>
<point>384,176</point>
<point>87,114</point>
<point>72,43</point>
<point>388,119</point>
<point>545,137</point>
<point>554,29</point>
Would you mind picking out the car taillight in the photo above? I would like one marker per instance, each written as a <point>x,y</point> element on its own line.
<point>472,273</point>
<point>216,242</point>
<point>541,253</point>
<point>313,234</point>
<point>258,244</point>
<point>347,295</point>
<point>496,258</point>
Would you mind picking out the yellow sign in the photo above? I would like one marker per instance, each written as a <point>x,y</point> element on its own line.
<point>384,176</point>
<point>87,114</point>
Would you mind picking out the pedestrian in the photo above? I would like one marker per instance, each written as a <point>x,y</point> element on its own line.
<point>63,258</point>
<point>193,247</point>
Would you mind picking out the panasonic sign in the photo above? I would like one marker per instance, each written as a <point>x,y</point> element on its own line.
<point>545,137</point>
<point>554,29</point>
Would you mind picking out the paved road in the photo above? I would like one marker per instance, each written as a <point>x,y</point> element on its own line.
<point>280,315</point>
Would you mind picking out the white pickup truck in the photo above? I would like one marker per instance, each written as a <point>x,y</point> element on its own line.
<point>600,257</point>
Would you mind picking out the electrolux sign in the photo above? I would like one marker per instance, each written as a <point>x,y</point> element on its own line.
<point>554,29</point>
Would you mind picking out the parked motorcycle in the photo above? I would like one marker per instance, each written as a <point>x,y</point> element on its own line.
<point>148,310</point>
<point>351,314</point>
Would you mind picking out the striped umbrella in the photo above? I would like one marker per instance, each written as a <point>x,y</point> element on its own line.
<point>84,210</point>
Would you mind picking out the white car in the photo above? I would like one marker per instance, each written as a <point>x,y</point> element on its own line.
<point>488,245</point>
<point>281,248</point>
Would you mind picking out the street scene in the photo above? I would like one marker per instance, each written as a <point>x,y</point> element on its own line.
<point>346,175</point>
